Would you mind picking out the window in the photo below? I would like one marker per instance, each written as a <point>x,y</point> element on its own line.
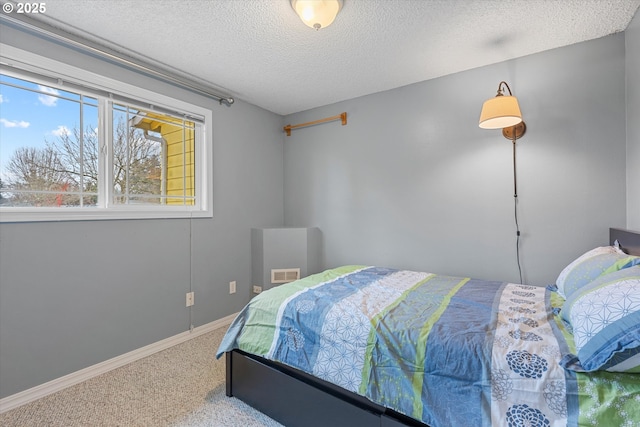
<point>73,152</point>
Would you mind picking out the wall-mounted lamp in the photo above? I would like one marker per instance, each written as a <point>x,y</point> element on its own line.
<point>503,112</point>
<point>317,13</point>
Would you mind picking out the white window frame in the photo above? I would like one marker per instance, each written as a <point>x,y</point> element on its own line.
<point>30,62</point>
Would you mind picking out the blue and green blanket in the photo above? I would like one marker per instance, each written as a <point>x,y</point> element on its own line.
<point>443,350</point>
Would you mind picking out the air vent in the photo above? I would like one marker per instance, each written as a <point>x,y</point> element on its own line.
<point>284,275</point>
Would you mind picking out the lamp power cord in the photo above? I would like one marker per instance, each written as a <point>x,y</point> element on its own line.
<point>515,208</point>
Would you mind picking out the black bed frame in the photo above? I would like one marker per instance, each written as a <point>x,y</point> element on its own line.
<point>296,399</point>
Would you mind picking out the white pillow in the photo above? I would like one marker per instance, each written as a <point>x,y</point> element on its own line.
<point>591,265</point>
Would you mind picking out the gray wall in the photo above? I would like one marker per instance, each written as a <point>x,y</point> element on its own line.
<point>632,35</point>
<point>412,182</point>
<point>73,294</point>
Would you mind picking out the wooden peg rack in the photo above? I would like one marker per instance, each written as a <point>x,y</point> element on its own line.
<point>342,117</point>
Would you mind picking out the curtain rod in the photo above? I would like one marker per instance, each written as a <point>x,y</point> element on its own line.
<point>341,116</point>
<point>68,39</point>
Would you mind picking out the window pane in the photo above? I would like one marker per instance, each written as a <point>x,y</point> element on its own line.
<point>153,158</point>
<point>44,154</point>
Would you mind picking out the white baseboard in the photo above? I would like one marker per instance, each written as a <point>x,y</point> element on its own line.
<point>37,392</point>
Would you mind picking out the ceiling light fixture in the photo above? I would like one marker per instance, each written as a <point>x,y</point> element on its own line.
<point>317,13</point>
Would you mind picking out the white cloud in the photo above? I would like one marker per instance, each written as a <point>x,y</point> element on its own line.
<point>1,99</point>
<point>14,123</point>
<point>61,131</point>
<point>49,101</point>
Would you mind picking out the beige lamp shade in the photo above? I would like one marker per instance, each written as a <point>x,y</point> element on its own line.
<point>500,112</point>
<point>317,13</point>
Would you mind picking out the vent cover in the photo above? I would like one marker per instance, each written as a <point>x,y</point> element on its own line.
<point>284,275</point>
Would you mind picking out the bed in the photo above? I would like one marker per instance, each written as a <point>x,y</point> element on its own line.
<point>372,346</point>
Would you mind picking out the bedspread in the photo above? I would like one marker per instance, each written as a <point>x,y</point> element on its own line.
<point>443,350</point>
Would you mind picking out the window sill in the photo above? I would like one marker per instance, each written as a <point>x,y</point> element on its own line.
<point>8,215</point>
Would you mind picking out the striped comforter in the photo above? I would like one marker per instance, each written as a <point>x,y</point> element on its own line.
<point>443,350</point>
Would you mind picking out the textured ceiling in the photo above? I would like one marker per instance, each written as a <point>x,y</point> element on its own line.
<point>261,52</point>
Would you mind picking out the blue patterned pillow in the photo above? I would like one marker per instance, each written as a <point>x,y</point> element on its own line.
<point>605,318</point>
<point>591,265</point>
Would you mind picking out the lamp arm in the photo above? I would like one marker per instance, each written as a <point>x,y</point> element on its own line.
<point>500,90</point>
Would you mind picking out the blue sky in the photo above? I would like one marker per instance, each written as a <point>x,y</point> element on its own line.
<point>30,118</point>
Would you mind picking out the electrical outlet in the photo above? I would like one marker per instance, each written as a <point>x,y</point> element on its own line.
<point>232,287</point>
<point>190,299</point>
<point>257,289</point>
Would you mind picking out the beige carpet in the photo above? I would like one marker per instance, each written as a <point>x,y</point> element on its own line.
<point>179,387</point>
